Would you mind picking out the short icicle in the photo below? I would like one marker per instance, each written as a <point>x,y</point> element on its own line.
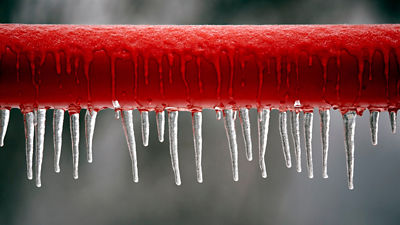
<point>218,114</point>
<point>173,144</point>
<point>4,118</point>
<point>349,120</point>
<point>308,124</point>
<point>231,134</point>
<point>145,127</point>
<point>74,129</point>
<point>284,138</point>
<point>90,123</point>
<point>39,130</point>
<point>127,125</point>
<point>324,124</point>
<point>58,121</point>
<point>295,128</point>
<point>373,121</point>
<point>393,121</point>
<point>263,127</point>
<point>197,119</point>
<point>245,122</point>
<point>160,125</point>
<point>29,119</point>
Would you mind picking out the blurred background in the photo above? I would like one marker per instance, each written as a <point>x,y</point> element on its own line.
<point>105,192</point>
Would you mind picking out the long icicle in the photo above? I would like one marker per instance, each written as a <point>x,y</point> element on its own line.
<point>349,120</point>
<point>325,120</point>
<point>197,138</point>
<point>74,129</point>
<point>295,128</point>
<point>393,121</point>
<point>373,121</point>
<point>263,127</point>
<point>145,127</point>
<point>160,125</point>
<point>245,122</point>
<point>173,144</point>
<point>39,130</point>
<point>284,138</point>
<point>4,118</point>
<point>231,134</point>
<point>127,125</point>
<point>90,123</point>
<point>308,124</point>
<point>29,123</point>
<point>58,121</point>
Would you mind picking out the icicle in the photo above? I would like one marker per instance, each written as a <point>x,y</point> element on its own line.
<point>295,128</point>
<point>197,138</point>
<point>234,114</point>
<point>349,120</point>
<point>58,121</point>
<point>373,121</point>
<point>173,144</point>
<point>245,122</point>
<point>231,134</point>
<point>39,130</point>
<point>160,125</point>
<point>4,118</point>
<point>219,114</point>
<point>145,127</point>
<point>127,125</point>
<point>74,129</point>
<point>29,135</point>
<point>393,120</point>
<point>325,120</point>
<point>263,125</point>
<point>90,123</point>
<point>285,138</point>
<point>308,124</point>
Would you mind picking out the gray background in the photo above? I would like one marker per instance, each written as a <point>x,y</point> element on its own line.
<point>105,193</point>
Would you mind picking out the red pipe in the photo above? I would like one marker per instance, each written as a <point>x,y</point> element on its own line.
<point>350,67</point>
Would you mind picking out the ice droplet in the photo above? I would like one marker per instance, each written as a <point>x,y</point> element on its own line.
<point>29,135</point>
<point>58,121</point>
<point>127,125</point>
<point>393,121</point>
<point>263,125</point>
<point>90,123</point>
<point>325,120</point>
<point>245,122</point>
<point>197,138</point>
<point>160,125</point>
<point>231,134</point>
<point>308,124</point>
<point>295,128</point>
<point>173,144</point>
<point>373,121</point>
<point>284,138</point>
<point>145,127</point>
<point>4,118</point>
<point>39,130</point>
<point>349,121</point>
<point>74,129</point>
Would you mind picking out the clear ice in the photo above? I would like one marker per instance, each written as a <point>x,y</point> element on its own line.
<point>325,118</point>
<point>308,124</point>
<point>295,128</point>
<point>58,121</point>
<point>393,121</point>
<point>29,124</point>
<point>127,125</point>
<point>90,123</point>
<point>145,127</point>
<point>4,118</point>
<point>197,119</point>
<point>373,121</point>
<point>284,138</point>
<point>231,134</point>
<point>245,122</point>
<point>349,121</point>
<point>263,126</point>
<point>39,132</point>
<point>173,144</point>
<point>160,125</point>
<point>74,129</point>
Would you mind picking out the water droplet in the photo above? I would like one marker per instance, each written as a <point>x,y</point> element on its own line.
<point>263,125</point>
<point>90,123</point>
<point>349,120</point>
<point>58,121</point>
<point>4,118</point>
<point>160,125</point>
<point>127,125</point>
<point>295,128</point>
<point>74,129</point>
<point>39,130</point>
<point>325,120</point>
<point>308,124</point>
<point>173,144</point>
<point>231,134</point>
<point>197,138</point>
<point>29,135</point>
<point>284,138</point>
<point>373,121</point>
<point>245,122</point>
<point>145,127</point>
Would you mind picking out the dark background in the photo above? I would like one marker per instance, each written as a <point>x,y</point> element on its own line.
<point>105,192</point>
